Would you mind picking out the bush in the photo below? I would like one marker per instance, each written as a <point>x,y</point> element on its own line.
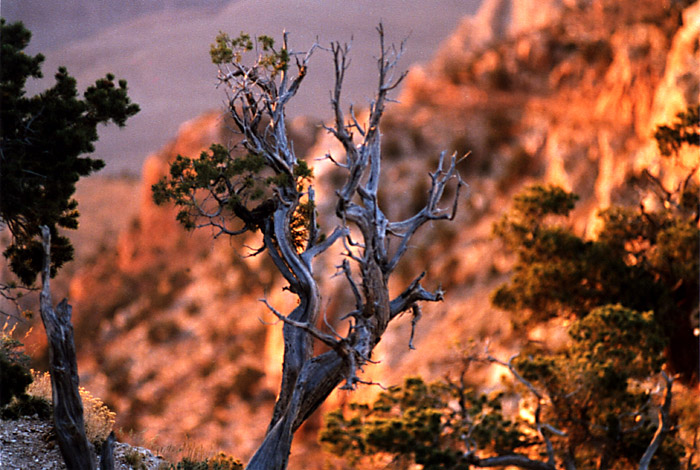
<point>27,406</point>
<point>14,370</point>
<point>220,461</point>
<point>99,419</point>
<point>135,460</point>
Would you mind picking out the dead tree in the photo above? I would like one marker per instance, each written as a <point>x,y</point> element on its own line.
<point>214,191</point>
<point>107,453</point>
<point>77,452</point>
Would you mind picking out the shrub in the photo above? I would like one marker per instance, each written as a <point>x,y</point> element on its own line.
<point>27,406</point>
<point>135,460</point>
<point>15,377</point>
<point>14,370</point>
<point>99,419</point>
<point>220,461</point>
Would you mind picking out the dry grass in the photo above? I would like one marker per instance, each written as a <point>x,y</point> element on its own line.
<point>99,420</point>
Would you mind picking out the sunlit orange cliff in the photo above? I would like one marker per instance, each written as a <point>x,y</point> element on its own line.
<point>169,322</point>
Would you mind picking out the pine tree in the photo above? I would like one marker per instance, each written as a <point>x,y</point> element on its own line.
<point>42,147</point>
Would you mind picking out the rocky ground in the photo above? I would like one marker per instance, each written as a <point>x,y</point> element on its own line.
<point>30,444</point>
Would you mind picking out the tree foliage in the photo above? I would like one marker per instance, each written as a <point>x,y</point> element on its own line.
<point>44,138</point>
<point>642,259</point>
<point>430,424</point>
<point>684,131</point>
<point>237,187</point>
<point>589,407</point>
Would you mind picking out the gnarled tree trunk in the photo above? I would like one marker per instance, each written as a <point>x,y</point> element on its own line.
<point>63,367</point>
<point>307,380</point>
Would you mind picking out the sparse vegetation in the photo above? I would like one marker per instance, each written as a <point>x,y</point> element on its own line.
<point>99,419</point>
<point>15,375</point>
<point>220,461</point>
<point>685,130</point>
<point>134,458</point>
<point>16,380</point>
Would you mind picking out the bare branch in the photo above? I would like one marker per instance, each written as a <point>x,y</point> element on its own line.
<point>412,294</point>
<point>317,249</point>
<point>328,156</point>
<point>279,261</point>
<point>355,359</point>
<point>664,425</point>
<point>345,268</point>
<point>315,332</point>
<point>329,326</point>
<point>407,228</point>
<point>13,294</point>
<point>254,251</point>
<point>312,222</point>
<point>417,314</point>
<point>340,61</point>
<point>538,410</point>
<point>355,124</point>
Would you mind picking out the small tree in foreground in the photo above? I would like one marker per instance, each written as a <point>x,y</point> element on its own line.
<point>264,186</point>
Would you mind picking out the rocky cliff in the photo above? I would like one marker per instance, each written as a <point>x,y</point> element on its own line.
<point>568,93</point>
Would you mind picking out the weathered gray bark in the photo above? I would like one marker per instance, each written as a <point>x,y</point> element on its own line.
<point>67,404</point>
<point>107,453</point>
<point>256,94</point>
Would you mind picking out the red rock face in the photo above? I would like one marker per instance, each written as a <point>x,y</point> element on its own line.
<point>168,321</point>
<point>156,228</point>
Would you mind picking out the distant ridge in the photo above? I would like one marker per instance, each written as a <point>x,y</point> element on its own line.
<point>163,52</point>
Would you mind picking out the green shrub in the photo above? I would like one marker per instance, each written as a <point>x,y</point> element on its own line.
<point>220,461</point>
<point>27,406</point>
<point>15,375</point>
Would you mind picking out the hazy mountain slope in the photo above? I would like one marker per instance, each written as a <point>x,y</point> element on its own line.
<point>164,54</point>
<point>60,22</point>
<point>165,322</point>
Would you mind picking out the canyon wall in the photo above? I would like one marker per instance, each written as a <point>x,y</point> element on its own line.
<point>171,330</point>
